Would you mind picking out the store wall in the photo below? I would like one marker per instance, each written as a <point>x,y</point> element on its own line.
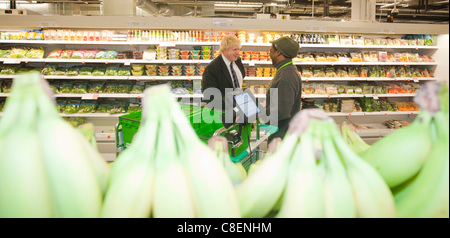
<point>442,57</point>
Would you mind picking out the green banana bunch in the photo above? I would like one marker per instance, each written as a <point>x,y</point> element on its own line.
<point>339,199</point>
<point>262,189</point>
<point>400,155</point>
<point>426,195</point>
<point>353,139</point>
<point>323,177</point>
<point>304,196</point>
<point>373,198</point>
<point>59,174</point>
<point>168,171</point>
<point>236,171</point>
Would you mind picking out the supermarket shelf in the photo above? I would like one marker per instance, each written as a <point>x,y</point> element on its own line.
<point>306,79</point>
<point>333,96</point>
<point>339,46</point>
<point>92,115</point>
<point>86,77</point>
<point>153,78</point>
<point>374,132</point>
<point>89,96</point>
<point>90,77</point>
<point>345,114</point>
<point>363,63</point>
<point>390,113</point>
<point>408,79</point>
<point>246,62</point>
<point>331,114</point>
<point>258,78</point>
<point>175,43</point>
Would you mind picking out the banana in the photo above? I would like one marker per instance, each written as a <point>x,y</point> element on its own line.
<point>258,194</point>
<point>73,183</point>
<point>373,198</point>
<point>353,139</point>
<point>130,187</point>
<point>172,193</point>
<point>255,166</point>
<point>212,190</point>
<point>304,196</point>
<point>427,194</point>
<point>339,200</point>
<point>25,192</point>
<point>400,155</point>
<point>235,171</point>
<point>214,195</point>
<point>98,163</point>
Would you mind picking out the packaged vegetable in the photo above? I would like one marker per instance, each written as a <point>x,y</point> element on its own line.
<point>17,52</point>
<point>66,54</point>
<point>111,71</point>
<point>72,106</point>
<point>35,53</point>
<point>9,70</point>
<point>54,84</point>
<point>65,86</point>
<point>79,87</point>
<point>86,70</point>
<point>96,86</point>
<point>98,72</point>
<point>48,69</point>
<point>87,106</point>
<point>124,71</point>
<point>6,85</point>
<point>73,71</point>
<point>55,54</point>
<point>59,71</point>
<point>137,89</point>
<point>5,53</point>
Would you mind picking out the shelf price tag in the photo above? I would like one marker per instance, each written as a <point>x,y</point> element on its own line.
<point>251,64</point>
<point>136,23</point>
<point>415,80</point>
<point>127,62</point>
<point>316,28</point>
<point>375,96</point>
<point>167,44</point>
<point>89,97</point>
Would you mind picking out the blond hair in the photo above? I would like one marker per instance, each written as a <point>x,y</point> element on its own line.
<point>228,42</point>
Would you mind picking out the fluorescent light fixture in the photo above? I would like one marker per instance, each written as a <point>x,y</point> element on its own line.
<point>236,5</point>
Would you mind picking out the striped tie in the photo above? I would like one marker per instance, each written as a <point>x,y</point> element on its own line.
<point>235,79</point>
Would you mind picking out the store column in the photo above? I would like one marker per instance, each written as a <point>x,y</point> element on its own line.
<point>363,10</point>
<point>119,7</point>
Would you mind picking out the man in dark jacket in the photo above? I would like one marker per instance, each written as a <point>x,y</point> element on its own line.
<point>225,71</point>
<point>288,82</point>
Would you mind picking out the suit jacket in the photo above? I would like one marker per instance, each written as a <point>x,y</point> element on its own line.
<point>216,75</point>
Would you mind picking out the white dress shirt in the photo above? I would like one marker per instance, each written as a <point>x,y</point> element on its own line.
<point>236,69</point>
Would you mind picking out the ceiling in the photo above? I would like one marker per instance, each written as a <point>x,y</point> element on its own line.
<point>409,11</point>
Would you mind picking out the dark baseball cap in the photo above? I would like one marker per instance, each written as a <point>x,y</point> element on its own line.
<point>287,46</point>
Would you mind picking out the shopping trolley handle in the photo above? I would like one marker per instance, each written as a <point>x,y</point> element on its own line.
<point>223,129</point>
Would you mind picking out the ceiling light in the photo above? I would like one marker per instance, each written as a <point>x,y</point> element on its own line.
<point>236,5</point>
